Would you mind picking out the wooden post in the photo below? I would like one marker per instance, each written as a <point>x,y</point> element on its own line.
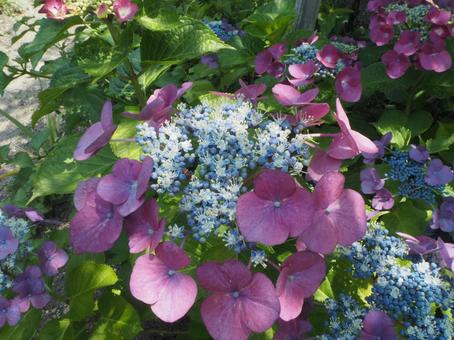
<point>307,12</point>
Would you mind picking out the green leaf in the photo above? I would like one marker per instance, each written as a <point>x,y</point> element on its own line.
<point>394,121</point>
<point>374,78</point>
<point>419,122</point>
<point>81,307</point>
<point>23,160</point>
<point>271,21</point>
<point>4,153</point>
<point>324,291</point>
<point>26,131</point>
<point>57,330</point>
<point>152,73</point>
<point>118,319</point>
<point>49,101</point>
<point>444,138</point>
<point>126,129</point>
<point>26,328</point>
<point>411,217</point>
<point>69,76</point>
<point>59,173</point>
<point>50,32</point>
<point>187,40</point>
<point>4,79</point>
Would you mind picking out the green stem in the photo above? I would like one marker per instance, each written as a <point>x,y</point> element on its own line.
<point>25,130</point>
<point>132,74</point>
<point>9,173</point>
<point>30,73</point>
<point>51,124</point>
<point>163,331</point>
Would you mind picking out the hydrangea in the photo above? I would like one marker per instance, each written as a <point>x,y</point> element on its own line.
<point>223,29</point>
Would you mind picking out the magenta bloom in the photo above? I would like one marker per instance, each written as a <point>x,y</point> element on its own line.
<point>438,17</point>
<point>159,105</point>
<point>97,135</point>
<point>241,302</point>
<point>420,245</point>
<point>125,10</point>
<point>378,325</point>
<point>320,164</point>
<point>381,145</point>
<point>8,243</point>
<point>443,217</point>
<point>302,73</point>
<point>289,96</point>
<point>371,181</point>
<point>51,258</point>
<point>438,173</point>
<point>339,215</point>
<point>293,329</point>
<point>396,18</point>
<point>126,185</point>
<point>435,57</point>
<point>348,84</point>
<point>329,56</point>
<point>276,209</point>
<point>54,9</point>
<point>30,213</point>
<point>85,194</point>
<point>418,153</point>
<point>383,200</point>
<point>268,61</point>
<point>396,64</point>
<point>251,92</point>
<point>95,228</point>
<point>30,288</point>
<point>381,34</point>
<point>144,228</point>
<point>156,280</point>
<point>300,276</point>
<point>9,312</point>
<point>348,143</point>
<point>446,253</point>
<point>408,43</point>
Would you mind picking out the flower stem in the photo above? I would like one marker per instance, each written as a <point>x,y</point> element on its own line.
<point>9,173</point>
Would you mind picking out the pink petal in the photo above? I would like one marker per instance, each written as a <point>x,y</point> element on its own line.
<point>85,193</point>
<point>263,61</point>
<point>172,255</point>
<point>291,297</point>
<point>286,95</point>
<point>91,137</point>
<point>113,189</point>
<point>175,298</point>
<point>320,164</point>
<point>328,189</point>
<point>229,276</point>
<point>277,50</point>
<point>363,143</point>
<point>274,185</point>
<point>321,237</point>
<point>348,84</point>
<point>303,71</point>
<point>329,56</point>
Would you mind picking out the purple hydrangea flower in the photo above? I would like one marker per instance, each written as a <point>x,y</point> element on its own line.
<point>300,276</point>
<point>420,245</point>
<point>418,153</point>
<point>144,228</point>
<point>293,329</point>
<point>9,312</point>
<point>443,217</point>
<point>339,215</point>
<point>302,73</point>
<point>434,56</point>
<point>30,288</point>
<point>29,213</point>
<point>51,258</point>
<point>446,253</point>
<point>240,302</point>
<point>378,325</point>
<point>269,61</point>
<point>329,56</point>
<point>371,181</point>
<point>8,243</point>
<point>348,84</point>
<point>125,187</point>
<point>156,280</point>
<point>381,145</point>
<point>383,200</point>
<point>396,64</point>
<point>408,43</point>
<point>97,135</point>
<point>276,209</point>
<point>438,173</point>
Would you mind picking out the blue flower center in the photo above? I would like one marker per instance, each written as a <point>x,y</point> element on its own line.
<point>171,272</point>
<point>236,294</point>
<point>277,204</point>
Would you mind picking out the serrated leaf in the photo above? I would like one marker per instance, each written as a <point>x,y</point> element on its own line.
<point>118,319</point>
<point>444,138</point>
<point>88,277</point>
<point>419,122</point>
<point>49,101</point>
<point>57,330</point>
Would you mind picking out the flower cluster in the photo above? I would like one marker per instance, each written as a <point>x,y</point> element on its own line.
<point>17,277</point>
<point>418,30</point>
<point>223,29</point>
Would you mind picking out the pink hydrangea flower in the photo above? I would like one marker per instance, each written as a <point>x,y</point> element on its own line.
<point>157,281</point>
<point>447,254</point>
<point>8,243</point>
<point>54,9</point>
<point>144,228</point>
<point>251,92</point>
<point>301,275</point>
<point>9,312</point>
<point>378,325</point>
<point>293,329</point>
<point>339,215</point>
<point>125,187</point>
<point>396,64</point>
<point>419,245</point>
<point>329,56</point>
<point>269,61</point>
<point>320,164</point>
<point>51,258</point>
<point>348,143</point>
<point>240,302</point>
<point>302,73</point>
<point>159,105</point>
<point>381,34</point>
<point>433,56</point>
<point>396,18</point>
<point>438,16</point>
<point>289,96</point>
<point>96,136</point>
<point>383,200</point>
<point>85,194</point>
<point>438,173</point>
<point>276,209</point>
<point>348,84</point>
<point>408,43</point>
<point>125,10</point>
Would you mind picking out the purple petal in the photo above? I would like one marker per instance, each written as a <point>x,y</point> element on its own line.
<point>85,194</point>
<point>418,153</point>
<point>396,64</point>
<point>348,84</point>
<point>172,255</point>
<point>8,244</point>
<point>263,61</point>
<point>446,253</point>
<point>378,325</point>
<point>328,189</point>
<point>408,43</point>
<point>229,276</point>
<point>419,245</point>
<point>328,56</point>
<point>438,173</point>
<point>383,200</point>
